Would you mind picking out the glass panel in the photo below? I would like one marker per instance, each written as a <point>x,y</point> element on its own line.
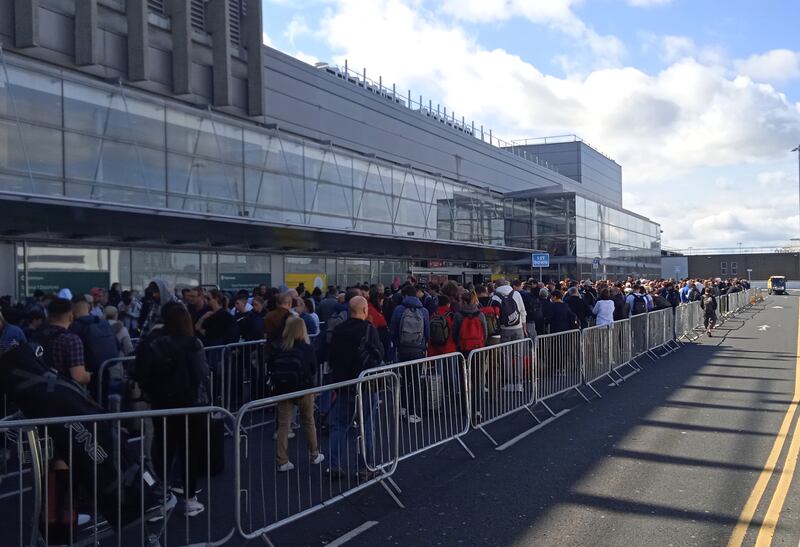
<point>198,136</point>
<point>37,97</point>
<point>272,197</point>
<point>204,186</point>
<point>179,269</point>
<point>121,267</point>
<point>67,258</point>
<point>110,171</point>
<point>109,114</point>
<point>43,148</point>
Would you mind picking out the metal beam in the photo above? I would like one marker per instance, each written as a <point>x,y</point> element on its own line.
<point>180,15</point>
<point>253,40</point>
<point>138,41</point>
<point>86,32</point>
<point>218,25</point>
<point>26,23</point>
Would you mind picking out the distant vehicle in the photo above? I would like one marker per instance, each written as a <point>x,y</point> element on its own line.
<point>776,284</point>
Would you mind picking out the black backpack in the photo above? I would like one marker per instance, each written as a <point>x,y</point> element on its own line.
<point>674,298</point>
<point>164,371</point>
<point>440,329</point>
<point>509,311</point>
<point>639,305</point>
<point>288,373</point>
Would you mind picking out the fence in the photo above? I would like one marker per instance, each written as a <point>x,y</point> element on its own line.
<point>597,345</point>
<point>558,364</point>
<point>270,495</point>
<point>659,330</point>
<point>85,480</point>
<point>434,402</point>
<point>362,429</point>
<point>502,382</point>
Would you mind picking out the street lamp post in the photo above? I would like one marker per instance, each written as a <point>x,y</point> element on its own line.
<point>798,175</point>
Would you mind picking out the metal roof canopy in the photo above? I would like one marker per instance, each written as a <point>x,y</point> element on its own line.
<point>81,222</point>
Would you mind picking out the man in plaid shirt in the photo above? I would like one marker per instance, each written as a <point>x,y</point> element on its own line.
<point>63,349</point>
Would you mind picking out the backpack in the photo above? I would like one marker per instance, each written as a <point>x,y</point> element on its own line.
<point>674,298</point>
<point>287,373</point>
<point>163,370</point>
<point>471,335</point>
<point>492,320</point>
<point>694,294</point>
<point>368,355</point>
<point>99,341</point>
<point>639,305</point>
<point>440,329</point>
<point>509,312</point>
<point>412,330</point>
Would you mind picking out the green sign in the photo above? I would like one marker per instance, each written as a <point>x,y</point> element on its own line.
<point>53,281</point>
<point>234,282</point>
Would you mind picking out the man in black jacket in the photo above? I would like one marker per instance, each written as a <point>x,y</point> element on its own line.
<point>355,346</point>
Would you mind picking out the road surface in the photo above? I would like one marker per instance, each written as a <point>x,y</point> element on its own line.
<point>698,449</point>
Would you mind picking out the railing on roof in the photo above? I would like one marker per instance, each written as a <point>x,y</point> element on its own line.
<point>439,113</point>
<point>558,139</point>
<point>691,251</point>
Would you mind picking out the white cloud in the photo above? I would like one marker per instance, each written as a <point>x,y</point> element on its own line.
<point>666,129</point>
<point>556,14</point>
<point>648,3</point>
<point>266,40</point>
<point>776,66</point>
<point>297,27</point>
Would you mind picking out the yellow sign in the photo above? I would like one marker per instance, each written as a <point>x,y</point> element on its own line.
<point>495,277</point>
<point>310,281</point>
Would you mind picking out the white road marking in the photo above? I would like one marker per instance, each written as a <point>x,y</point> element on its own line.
<point>341,540</point>
<point>532,430</point>
<point>777,307</point>
<point>763,328</point>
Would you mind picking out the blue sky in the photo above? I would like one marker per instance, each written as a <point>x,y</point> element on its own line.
<point>697,99</point>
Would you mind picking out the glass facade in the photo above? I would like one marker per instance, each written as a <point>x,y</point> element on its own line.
<point>583,237</point>
<point>65,135</point>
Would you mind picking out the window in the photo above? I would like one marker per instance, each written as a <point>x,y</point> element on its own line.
<point>734,268</point>
<point>723,268</point>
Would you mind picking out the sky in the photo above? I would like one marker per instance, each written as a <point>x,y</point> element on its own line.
<point>698,100</point>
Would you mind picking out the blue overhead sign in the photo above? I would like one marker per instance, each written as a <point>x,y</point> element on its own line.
<point>540,260</point>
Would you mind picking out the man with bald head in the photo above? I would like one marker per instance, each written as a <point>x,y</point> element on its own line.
<point>355,346</point>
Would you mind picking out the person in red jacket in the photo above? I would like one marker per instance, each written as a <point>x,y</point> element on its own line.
<point>441,340</point>
<point>375,315</point>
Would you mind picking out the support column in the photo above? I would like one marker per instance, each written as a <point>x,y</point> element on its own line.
<point>218,25</point>
<point>138,41</point>
<point>180,14</point>
<point>86,32</point>
<point>26,23</point>
<point>253,36</point>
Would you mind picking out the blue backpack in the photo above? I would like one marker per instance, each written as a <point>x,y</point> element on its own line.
<point>99,341</point>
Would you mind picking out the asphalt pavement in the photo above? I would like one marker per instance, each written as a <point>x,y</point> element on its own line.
<point>680,454</point>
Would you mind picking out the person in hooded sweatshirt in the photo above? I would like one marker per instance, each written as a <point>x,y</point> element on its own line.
<point>158,293</point>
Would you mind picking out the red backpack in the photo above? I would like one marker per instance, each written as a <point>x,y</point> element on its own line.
<point>471,335</point>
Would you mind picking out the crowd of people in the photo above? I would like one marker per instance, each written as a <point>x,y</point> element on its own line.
<point>311,337</point>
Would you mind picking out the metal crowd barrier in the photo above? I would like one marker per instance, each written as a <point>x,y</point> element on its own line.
<point>279,481</point>
<point>621,348</point>
<point>434,402</point>
<point>84,481</point>
<point>639,337</point>
<point>502,382</point>
<point>558,365</point>
<point>241,375</point>
<point>597,354</point>
<point>660,330</point>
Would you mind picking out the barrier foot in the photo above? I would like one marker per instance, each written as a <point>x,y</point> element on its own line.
<point>482,430</point>
<point>390,480</point>
<point>389,491</point>
<point>585,398</point>
<point>465,447</point>
<point>550,410</point>
<point>634,364</point>
<point>676,343</point>
<point>653,357</point>
<point>266,540</point>
<point>590,386</point>
<point>535,417</point>
<point>611,374</point>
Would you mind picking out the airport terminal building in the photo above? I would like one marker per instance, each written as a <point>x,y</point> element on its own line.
<point>144,138</point>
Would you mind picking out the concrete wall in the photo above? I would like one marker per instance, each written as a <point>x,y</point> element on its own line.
<point>763,265</point>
